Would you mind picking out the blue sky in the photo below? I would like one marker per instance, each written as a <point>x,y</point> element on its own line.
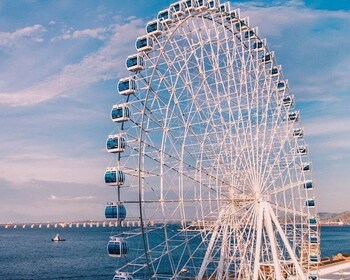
<point>60,62</point>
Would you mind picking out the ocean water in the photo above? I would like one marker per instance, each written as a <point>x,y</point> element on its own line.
<point>30,254</point>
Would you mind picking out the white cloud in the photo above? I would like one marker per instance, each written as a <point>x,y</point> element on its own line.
<point>97,33</point>
<point>33,33</point>
<point>70,198</point>
<point>95,67</point>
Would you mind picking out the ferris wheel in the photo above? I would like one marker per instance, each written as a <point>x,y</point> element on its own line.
<point>211,169</point>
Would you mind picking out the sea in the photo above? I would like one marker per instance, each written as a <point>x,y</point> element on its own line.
<point>29,253</point>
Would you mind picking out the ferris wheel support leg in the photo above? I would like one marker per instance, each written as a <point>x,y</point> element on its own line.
<point>273,245</point>
<point>223,256</point>
<point>258,242</point>
<point>208,253</point>
<point>299,270</point>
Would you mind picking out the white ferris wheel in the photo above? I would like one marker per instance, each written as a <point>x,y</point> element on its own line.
<point>211,170</point>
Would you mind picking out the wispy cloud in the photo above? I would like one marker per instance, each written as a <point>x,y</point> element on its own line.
<point>309,44</point>
<point>33,33</point>
<point>70,198</point>
<point>95,67</point>
<point>97,33</point>
<point>330,127</point>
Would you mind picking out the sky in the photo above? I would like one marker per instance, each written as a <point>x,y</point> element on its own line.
<point>60,63</point>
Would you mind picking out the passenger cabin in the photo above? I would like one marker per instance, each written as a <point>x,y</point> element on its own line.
<point>120,113</point>
<point>178,8</point>
<point>308,185</point>
<point>258,45</point>
<point>127,86</point>
<point>281,86</point>
<point>302,150</point>
<point>250,34</point>
<point>122,276</point>
<point>114,177</point>
<point>117,247</point>
<point>233,16</point>
<point>225,8</point>
<point>310,203</point>
<point>213,5</point>
<point>293,116</point>
<point>274,71</point>
<point>134,63</point>
<point>165,16</point>
<point>144,44</point>
<point>298,133</point>
<point>314,258</point>
<point>201,5</point>
<point>242,25</point>
<point>267,58</point>
<point>306,166</point>
<point>115,143</point>
<point>313,221</point>
<point>154,28</point>
<point>313,276</point>
<point>189,5</point>
<point>313,239</point>
<point>288,100</point>
<point>115,211</point>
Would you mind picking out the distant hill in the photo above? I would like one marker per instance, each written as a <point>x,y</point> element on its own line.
<point>326,215</point>
<point>335,217</point>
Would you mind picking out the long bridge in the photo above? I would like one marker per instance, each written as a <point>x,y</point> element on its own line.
<point>83,224</point>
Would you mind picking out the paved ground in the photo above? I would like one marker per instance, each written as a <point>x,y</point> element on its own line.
<point>339,271</point>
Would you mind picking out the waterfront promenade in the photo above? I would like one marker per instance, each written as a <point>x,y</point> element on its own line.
<point>339,271</point>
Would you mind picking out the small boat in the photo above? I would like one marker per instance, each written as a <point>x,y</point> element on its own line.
<point>57,238</point>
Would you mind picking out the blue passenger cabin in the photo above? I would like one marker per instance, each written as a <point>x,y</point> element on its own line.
<point>126,86</point>
<point>225,8</point>
<point>308,185</point>
<point>314,258</point>
<point>288,100</point>
<point>115,211</point>
<point>114,177</point>
<point>302,150</point>
<point>120,113</point>
<point>122,276</point>
<point>115,143</point>
<point>134,63</point>
<point>310,202</point>
<point>313,239</point>
<point>154,28</point>
<point>178,8</point>
<point>312,221</point>
<point>213,5</point>
<point>293,116</point>
<point>117,247</point>
<point>165,16</point>
<point>144,43</point>
<point>298,133</point>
